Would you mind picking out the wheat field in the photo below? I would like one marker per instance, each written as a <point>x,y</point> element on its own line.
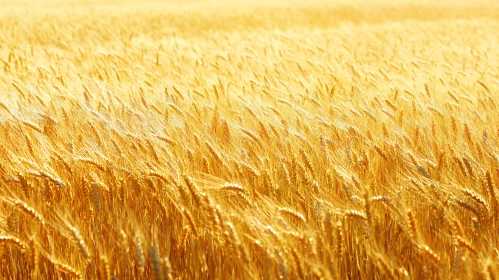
<point>249,139</point>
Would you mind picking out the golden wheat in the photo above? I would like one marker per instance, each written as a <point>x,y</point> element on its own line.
<point>249,139</point>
